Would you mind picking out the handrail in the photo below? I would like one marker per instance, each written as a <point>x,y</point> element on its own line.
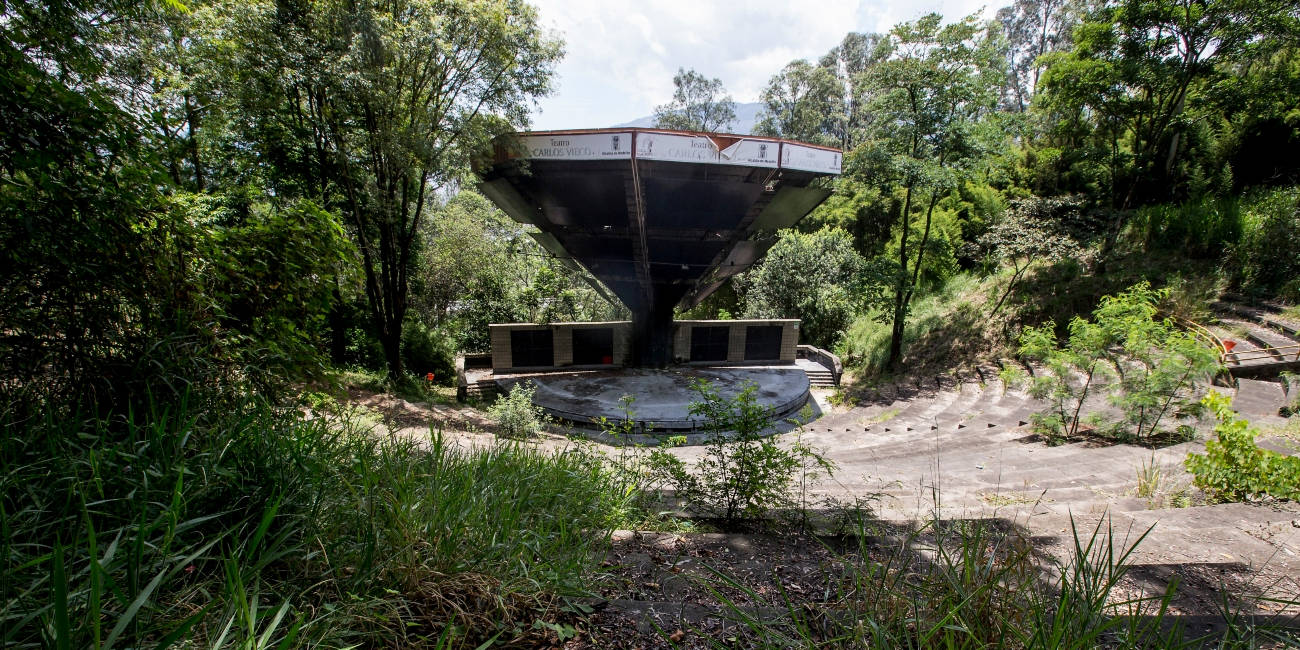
<point>1267,353</point>
<point>826,358</point>
<point>1202,332</point>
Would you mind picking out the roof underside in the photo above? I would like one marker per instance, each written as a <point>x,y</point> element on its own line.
<point>659,217</point>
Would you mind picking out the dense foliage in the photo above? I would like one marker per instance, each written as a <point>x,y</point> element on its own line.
<point>815,277</point>
<point>1100,123</point>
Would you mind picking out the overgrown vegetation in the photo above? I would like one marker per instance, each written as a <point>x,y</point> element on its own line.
<point>203,206</point>
<point>1145,365</point>
<point>744,473</point>
<point>516,415</point>
<point>1086,145</point>
<point>947,328</point>
<point>1234,468</point>
<point>252,526</point>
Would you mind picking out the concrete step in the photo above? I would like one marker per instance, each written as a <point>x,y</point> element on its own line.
<point>1289,327</point>
<point>1255,398</point>
<point>1268,316</point>
<point>1264,337</point>
<point>900,443</point>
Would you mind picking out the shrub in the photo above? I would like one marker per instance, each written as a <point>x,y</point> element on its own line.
<point>1033,230</point>
<point>426,350</point>
<point>742,474</point>
<point>1292,381</point>
<point>951,323</point>
<point>1200,229</point>
<point>818,278</point>
<point>1234,468</point>
<point>515,414</point>
<point>1159,365</point>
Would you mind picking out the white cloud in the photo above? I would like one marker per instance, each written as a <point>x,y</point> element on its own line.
<point>621,55</point>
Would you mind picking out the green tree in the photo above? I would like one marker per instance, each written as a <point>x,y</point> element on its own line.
<point>121,286</point>
<point>1030,231</point>
<point>476,266</point>
<point>1034,28</point>
<point>802,102</point>
<point>1256,113</point>
<point>1137,75</point>
<point>1157,364</point>
<point>848,61</point>
<point>85,233</point>
<point>817,277</point>
<point>164,78</point>
<point>375,107</point>
<point>467,239</point>
<point>699,104</point>
<point>928,98</point>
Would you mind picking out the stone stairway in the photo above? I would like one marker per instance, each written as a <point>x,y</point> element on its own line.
<point>819,376</point>
<point>970,433</point>
<point>482,389</point>
<point>1267,343</point>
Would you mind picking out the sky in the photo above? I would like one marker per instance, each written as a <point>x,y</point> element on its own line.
<point>621,55</point>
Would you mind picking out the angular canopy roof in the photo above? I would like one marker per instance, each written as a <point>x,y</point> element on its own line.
<point>661,217</point>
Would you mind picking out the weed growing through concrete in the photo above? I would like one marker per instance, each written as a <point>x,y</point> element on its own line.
<point>1234,468</point>
<point>744,474</point>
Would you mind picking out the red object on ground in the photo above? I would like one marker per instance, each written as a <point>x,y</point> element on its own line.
<point>429,377</point>
<point>1228,345</point>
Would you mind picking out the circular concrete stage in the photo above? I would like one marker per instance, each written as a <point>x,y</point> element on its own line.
<point>663,397</point>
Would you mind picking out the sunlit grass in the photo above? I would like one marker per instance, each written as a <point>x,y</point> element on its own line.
<point>951,322</point>
<point>253,527</point>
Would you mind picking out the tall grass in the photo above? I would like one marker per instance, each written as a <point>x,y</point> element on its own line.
<point>1255,236</point>
<point>255,527</point>
<point>949,323</point>
<point>1266,261</point>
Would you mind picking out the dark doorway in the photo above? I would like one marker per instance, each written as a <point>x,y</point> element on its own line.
<point>763,342</point>
<point>593,346</point>
<point>531,348</point>
<point>710,343</point>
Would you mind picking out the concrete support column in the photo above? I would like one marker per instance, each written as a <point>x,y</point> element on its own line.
<point>652,337</point>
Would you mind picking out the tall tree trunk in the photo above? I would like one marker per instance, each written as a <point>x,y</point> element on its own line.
<point>192,142</point>
<point>900,289</point>
<point>338,326</point>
